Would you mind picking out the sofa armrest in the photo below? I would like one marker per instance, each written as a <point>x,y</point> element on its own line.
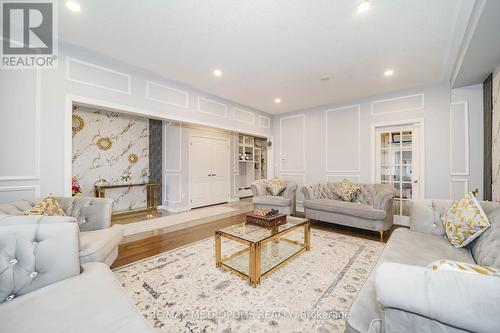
<point>91,213</point>
<point>307,192</point>
<point>34,255</point>
<point>8,220</point>
<point>289,192</point>
<point>459,299</point>
<point>382,198</point>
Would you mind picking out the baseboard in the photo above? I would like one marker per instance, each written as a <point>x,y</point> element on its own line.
<point>178,209</point>
<point>234,199</point>
<point>162,207</point>
<point>299,206</point>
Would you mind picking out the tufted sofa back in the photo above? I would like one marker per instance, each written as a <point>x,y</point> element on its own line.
<point>326,190</point>
<point>34,254</point>
<point>90,213</point>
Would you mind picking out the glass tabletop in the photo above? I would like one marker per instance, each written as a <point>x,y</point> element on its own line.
<point>255,233</point>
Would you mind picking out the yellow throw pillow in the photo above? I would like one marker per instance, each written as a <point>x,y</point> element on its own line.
<point>451,265</point>
<point>48,206</point>
<point>347,190</point>
<point>465,221</point>
<point>275,186</point>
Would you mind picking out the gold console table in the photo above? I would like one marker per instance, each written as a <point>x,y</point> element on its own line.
<point>151,196</point>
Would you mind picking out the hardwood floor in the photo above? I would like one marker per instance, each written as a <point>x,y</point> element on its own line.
<point>140,249</point>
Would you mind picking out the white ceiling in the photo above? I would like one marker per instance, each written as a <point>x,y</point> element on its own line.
<point>277,48</point>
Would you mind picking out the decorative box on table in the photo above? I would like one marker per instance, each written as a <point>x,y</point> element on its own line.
<point>266,221</point>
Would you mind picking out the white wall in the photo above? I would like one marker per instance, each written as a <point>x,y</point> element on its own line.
<point>495,152</point>
<point>302,136</point>
<point>35,111</point>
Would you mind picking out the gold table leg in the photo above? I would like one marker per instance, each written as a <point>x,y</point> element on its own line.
<point>218,258</point>
<point>251,266</point>
<point>307,236</point>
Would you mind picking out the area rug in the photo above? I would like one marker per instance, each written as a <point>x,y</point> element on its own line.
<point>174,219</point>
<point>183,291</point>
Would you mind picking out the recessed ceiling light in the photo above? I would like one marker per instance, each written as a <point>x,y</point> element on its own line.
<point>277,100</point>
<point>217,72</point>
<point>364,6</point>
<point>389,72</point>
<point>73,6</point>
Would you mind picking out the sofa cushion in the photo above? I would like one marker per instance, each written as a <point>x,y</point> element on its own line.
<point>15,208</point>
<point>272,200</point>
<point>97,245</point>
<point>404,247</point>
<point>486,248</point>
<point>346,208</point>
<point>93,301</point>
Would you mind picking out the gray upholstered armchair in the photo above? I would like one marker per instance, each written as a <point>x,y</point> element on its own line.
<point>98,239</point>
<point>284,202</point>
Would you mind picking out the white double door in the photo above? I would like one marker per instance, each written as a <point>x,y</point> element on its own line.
<point>209,171</point>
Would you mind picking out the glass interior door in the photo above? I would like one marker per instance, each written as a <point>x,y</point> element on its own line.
<point>397,165</point>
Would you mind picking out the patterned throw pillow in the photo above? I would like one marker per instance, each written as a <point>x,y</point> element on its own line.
<point>451,265</point>
<point>48,206</point>
<point>275,186</point>
<point>465,221</point>
<point>347,190</point>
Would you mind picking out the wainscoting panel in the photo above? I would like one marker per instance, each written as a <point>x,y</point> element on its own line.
<point>339,177</point>
<point>292,143</point>
<point>244,116</point>
<point>19,125</point>
<point>343,139</point>
<point>264,122</point>
<point>97,76</point>
<point>459,139</point>
<point>173,188</point>
<point>212,107</point>
<point>21,192</point>
<point>458,188</point>
<point>398,104</point>
<point>168,95</point>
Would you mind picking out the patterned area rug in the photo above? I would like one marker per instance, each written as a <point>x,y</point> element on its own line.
<point>182,291</point>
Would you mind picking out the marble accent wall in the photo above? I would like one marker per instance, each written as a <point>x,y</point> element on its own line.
<point>129,135</point>
<point>495,133</point>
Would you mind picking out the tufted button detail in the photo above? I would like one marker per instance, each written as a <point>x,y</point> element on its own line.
<point>434,225</point>
<point>9,298</point>
<point>13,261</point>
<point>34,274</point>
<point>35,243</point>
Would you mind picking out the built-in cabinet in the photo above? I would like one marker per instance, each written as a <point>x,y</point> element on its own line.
<point>252,162</point>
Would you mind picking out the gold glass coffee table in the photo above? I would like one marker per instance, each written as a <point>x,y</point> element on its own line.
<point>261,251</point>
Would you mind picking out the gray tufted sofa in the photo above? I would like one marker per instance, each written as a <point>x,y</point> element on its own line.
<point>42,287</point>
<point>402,295</point>
<point>370,210</point>
<point>98,241</point>
<point>285,202</point>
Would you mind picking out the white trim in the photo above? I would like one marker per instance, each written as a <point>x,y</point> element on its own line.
<point>467,140</point>
<point>359,139</point>
<point>179,200</point>
<point>37,136</point>
<point>228,161</point>
<point>180,150</point>
<point>303,116</point>
<point>127,76</point>
<point>268,121</point>
<point>422,151</point>
<point>457,180</point>
<point>178,209</point>
<point>185,105</point>
<point>214,102</point>
<point>17,188</point>
<point>395,99</point>
<point>235,109</point>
